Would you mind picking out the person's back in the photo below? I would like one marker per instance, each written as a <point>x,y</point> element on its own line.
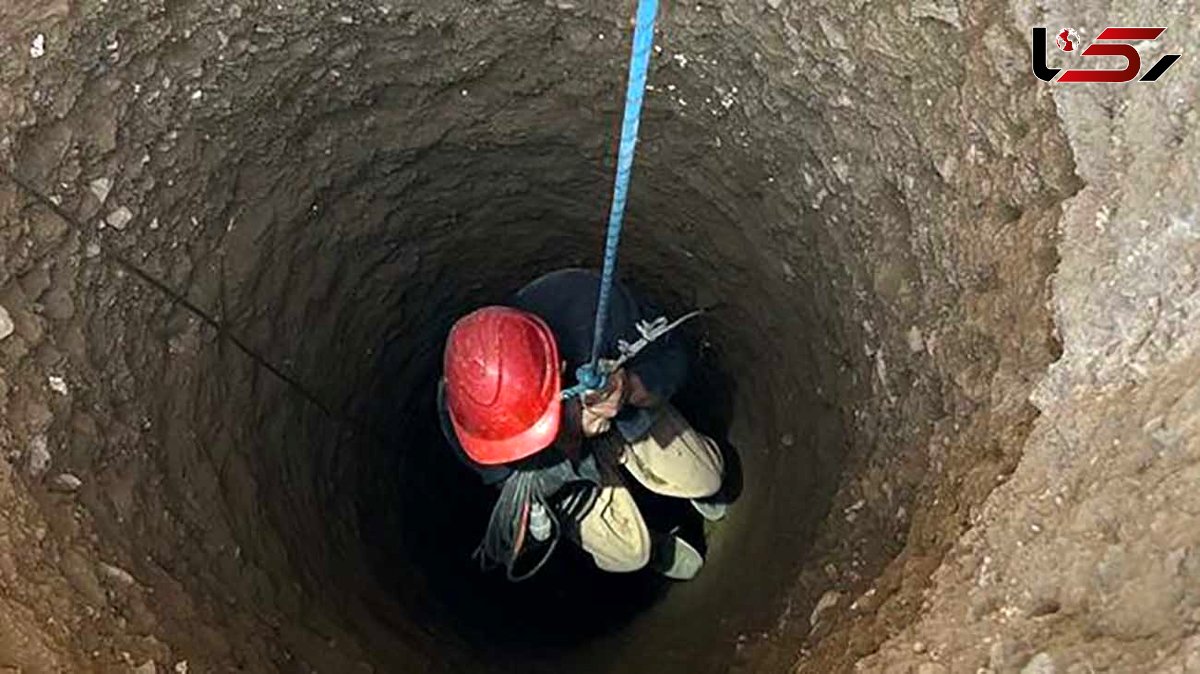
<point>501,409</point>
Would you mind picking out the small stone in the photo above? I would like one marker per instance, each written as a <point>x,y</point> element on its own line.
<point>147,667</point>
<point>116,574</point>
<point>154,223</point>
<point>788,271</point>
<point>119,218</point>
<point>916,343</point>
<point>945,11</point>
<point>39,456</point>
<point>181,667</point>
<point>826,602</point>
<point>38,49</point>
<point>787,440</point>
<point>66,483</point>
<point>58,384</point>
<point>100,188</point>
<point>1041,663</point>
<point>774,4</point>
<point>918,647</point>
<point>6,323</point>
<point>91,250</point>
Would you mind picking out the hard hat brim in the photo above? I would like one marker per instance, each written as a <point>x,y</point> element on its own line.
<point>532,440</point>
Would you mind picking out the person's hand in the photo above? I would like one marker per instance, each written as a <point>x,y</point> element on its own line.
<point>599,407</point>
<point>594,424</point>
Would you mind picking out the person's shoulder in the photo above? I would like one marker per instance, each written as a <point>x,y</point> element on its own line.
<point>560,280</point>
<point>568,275</point>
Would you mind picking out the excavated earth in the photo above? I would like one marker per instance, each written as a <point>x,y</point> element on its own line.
<point>954,354</point>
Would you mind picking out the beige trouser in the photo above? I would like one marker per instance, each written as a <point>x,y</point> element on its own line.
<point>673,460</point>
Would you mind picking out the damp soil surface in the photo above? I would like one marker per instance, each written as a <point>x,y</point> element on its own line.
<point>233,236</point>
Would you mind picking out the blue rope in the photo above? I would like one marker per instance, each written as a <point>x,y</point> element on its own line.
<point>589,376</point>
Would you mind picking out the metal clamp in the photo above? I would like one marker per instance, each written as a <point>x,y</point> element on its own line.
<point>594,377</point>
<point>649,331</point>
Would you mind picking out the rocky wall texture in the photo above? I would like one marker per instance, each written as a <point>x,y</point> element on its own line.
<point>1085,558</point>
<point>950,354</point>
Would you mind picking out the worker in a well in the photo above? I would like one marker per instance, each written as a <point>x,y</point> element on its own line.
<point>562,465</point>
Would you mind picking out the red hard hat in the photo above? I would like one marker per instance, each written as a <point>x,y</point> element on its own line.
<point>502,384</point>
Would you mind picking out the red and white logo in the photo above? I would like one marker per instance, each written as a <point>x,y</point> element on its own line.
<point>1066,39</point>
<point>1112,41</point>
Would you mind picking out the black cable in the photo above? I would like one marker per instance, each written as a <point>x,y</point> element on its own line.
<point>177,298</point>
<point>553,541</point>
<point>508,527</point>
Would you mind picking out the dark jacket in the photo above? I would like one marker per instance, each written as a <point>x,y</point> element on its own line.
<point>566,300</point>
